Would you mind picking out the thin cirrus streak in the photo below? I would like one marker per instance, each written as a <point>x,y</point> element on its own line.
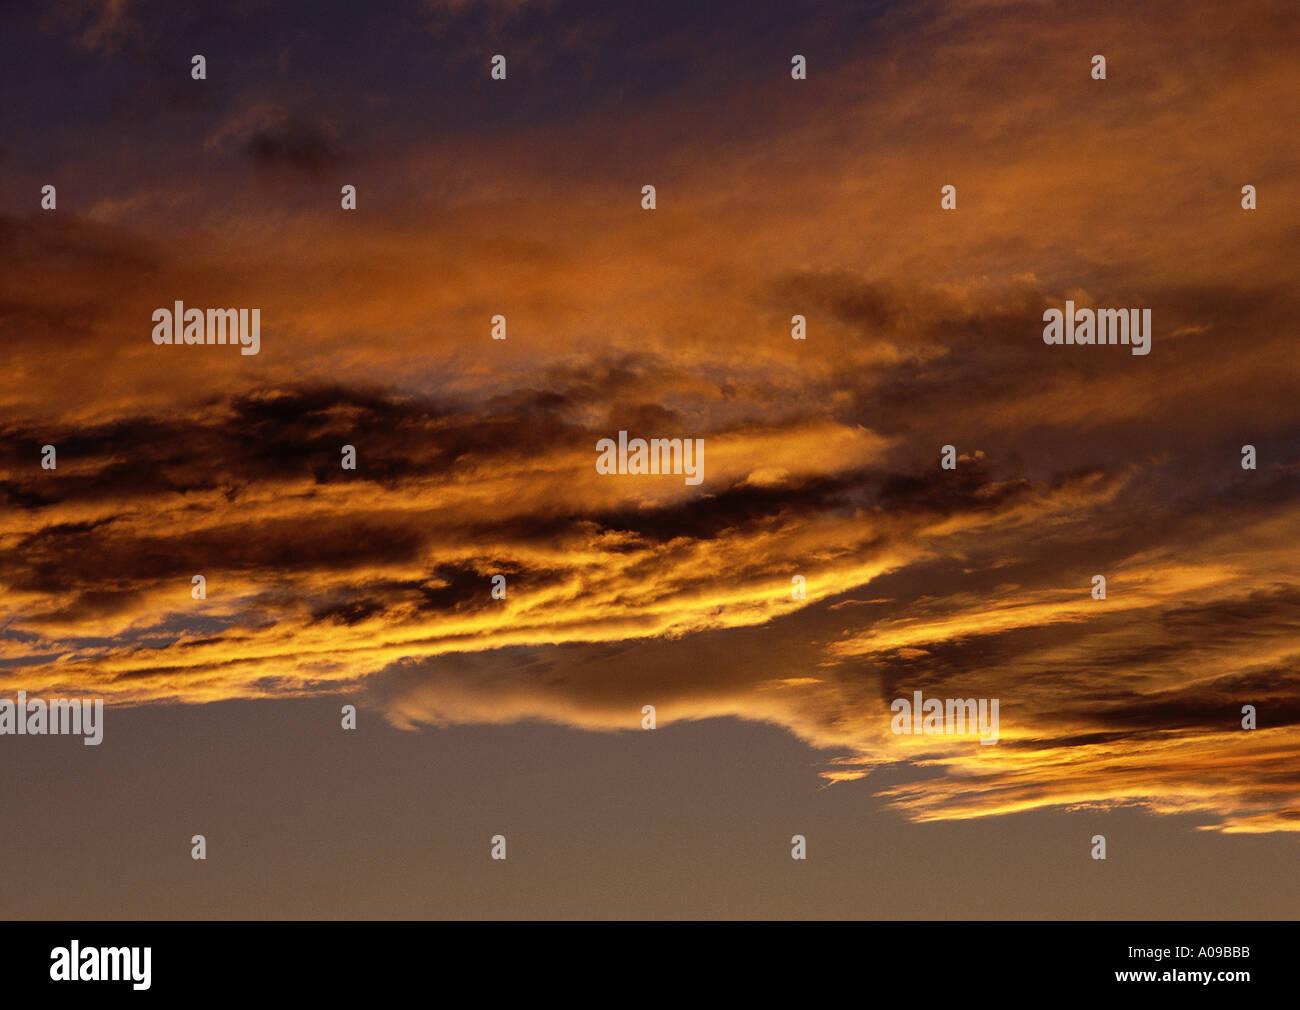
<point>821,456</point>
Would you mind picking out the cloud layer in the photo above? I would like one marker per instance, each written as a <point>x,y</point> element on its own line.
<point>476,457</point>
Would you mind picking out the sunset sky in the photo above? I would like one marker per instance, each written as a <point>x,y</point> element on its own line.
<point>775,197</point>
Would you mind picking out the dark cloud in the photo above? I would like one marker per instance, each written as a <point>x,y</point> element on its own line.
<point>298,145</point>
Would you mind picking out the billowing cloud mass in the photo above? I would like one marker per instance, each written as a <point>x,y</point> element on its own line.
<point>475,457</point>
